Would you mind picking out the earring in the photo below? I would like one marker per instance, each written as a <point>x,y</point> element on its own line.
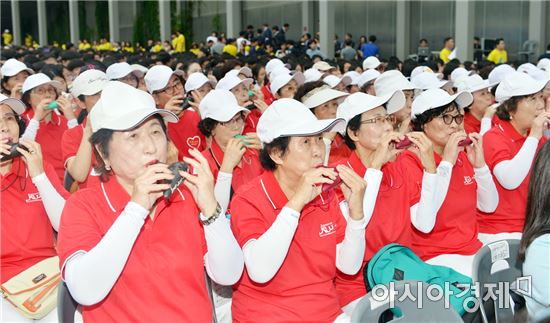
<point>108,168</point>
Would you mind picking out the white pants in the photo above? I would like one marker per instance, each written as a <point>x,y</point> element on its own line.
<point>343,318</point>
<point>487,238</point>
<point>462,264</point>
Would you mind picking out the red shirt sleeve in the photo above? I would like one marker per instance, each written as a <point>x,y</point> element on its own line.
<point>70,142</point>
<point>247,221</point>
<point>494,149</point>
<point>412,170</point>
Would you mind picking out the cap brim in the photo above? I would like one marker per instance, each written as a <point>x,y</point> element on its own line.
<point>462,99</point>
<point>480,87</point>
<point>230,113</point>
<point>323,96</point>
<point>316,127</point>
<point>395,101</point>
<point>136,118</point>
<point>28,70</point>
<point>299,78</point>
<point>55,84</point>
<point>16,105</point>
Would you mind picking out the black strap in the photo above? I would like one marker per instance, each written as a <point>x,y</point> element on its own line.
<point>219,166</point>
<point>211,295</point>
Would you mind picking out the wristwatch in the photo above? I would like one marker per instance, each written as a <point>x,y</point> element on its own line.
<point>213,218</point>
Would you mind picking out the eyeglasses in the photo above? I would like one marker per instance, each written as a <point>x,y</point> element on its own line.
<point>44,90</point>
<point>172,89</point>
<point>448,119</point>
<point>237,119</point>
<point>381,120</point>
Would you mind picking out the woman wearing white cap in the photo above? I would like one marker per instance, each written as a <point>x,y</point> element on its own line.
<point>396,200</point>
<point>468,186</point>
<point>323,102</point>
<point>123,72</point>
<point>125,243</point>
<point>32,200</point>
<point>44,103</point>
<point>390,82</point>
<point>14,73</point>
<point>480,114</point>
<point>294,237</point>
<point>510,148</point>
<point>284,84</point>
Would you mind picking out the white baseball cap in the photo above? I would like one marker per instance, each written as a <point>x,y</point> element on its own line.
<point>279,71</point>
<point>370,63</point>
<point>460,72</point>
<point>473,84</point>
<point>38,79</point>
<point>360,102</point>
<point>220,105</point>
<point>89,82</point>
<point>123,107</point>
<point>312,75</point>
<point>119,70</point>
<point>247,72</point>
<point>333,80</point>
<point>425,81</point>
<point>354,76</point>
<point>282,79</point>
<point>367,76</point>
<point>534,72</point>
<point>290,118</point>
<point>544,64</point>
<point>139,67</point>
<point>230,81</point>
<point>391,81</point>
<point>435,98</point>
<point>323,66</point>
<point>424,69</point>
<point>498,73</point>
<point>12,67</point>
<point>518,84</point>
<point>15,104</point>
<point>274,64</point>
<point>320,95</point>
<point>196,80</point>
<point>158,76</point>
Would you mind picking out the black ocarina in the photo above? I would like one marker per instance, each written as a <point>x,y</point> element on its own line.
<point>175,168</point>
<point>13,152</point>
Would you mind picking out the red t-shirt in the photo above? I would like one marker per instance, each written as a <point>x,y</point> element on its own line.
<point>70,143</point>
<point>338,150</point>
<point>251,121</point>
<point>390,221</point>
<point>49,137</point>
<point>455,230</point>
<point>249,168</point>
<point>27,233</point>
<point>163,279</point>
<point>502,143</point>
<point>268,96</point>
<point>303,288</point>
<point>472,124</point>
<point>185,134</point>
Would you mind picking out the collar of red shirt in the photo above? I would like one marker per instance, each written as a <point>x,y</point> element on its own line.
<point>356,164</point>
<point>18,168</point>
<point>273,190</point>
<point>29,114</point>
<point>510,131</point>
<point>217,152</point>
<point>117,198</point>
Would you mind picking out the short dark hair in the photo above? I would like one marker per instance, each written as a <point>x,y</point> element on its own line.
<point>101,139</point>
<point>420,120</point>
<point>353,125</point>
<point>446,40</point>
<point>498,40</point>
<point>372,38</point>
<point>509,106</point>
<point>279,144</point>
<point>206,126</point>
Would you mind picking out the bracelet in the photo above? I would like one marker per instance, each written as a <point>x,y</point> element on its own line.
<point>214,217</point>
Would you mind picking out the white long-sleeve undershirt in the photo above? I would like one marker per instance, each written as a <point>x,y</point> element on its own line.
<point>511,173</point>
<point>51,199</point>
<point>222,189</point>
<point>487,194</point>
<point>91,275</point>
<point>486,125</point>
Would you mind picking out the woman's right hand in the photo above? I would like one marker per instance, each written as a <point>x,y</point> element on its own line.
<point>539,124</point>
<point>234,152</point>
<point>490,111</point>
<point>424,150</point>
<point>450,152</point>
<point>174,104</point>
<point>16,91</point>
<point>146,186</point>
<point>42,110</point>
<point>385,151</point>
<point>308,187</point>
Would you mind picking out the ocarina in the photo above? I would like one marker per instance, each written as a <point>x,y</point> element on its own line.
<point>175,168</point>
<point>465,142</point>
<point>13,152</point>
<point>402,144</point>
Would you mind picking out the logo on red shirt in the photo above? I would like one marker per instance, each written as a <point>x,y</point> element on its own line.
<point>327,229</point>
<point>194,142</point>
<point>33,197</point>
<point>468,180</point>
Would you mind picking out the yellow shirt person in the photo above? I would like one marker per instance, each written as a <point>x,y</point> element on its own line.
<point>499,54</point>
<point>449,44</point>
<point>7,37</point>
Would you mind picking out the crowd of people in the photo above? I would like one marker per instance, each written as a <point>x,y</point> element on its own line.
<point>296,170</point>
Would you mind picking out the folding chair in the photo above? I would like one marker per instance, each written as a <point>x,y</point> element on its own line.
<point>495,265</point>
<point>406,299</point>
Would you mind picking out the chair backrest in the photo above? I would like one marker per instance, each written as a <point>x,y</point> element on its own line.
<point>66,305</point>
<point>410,298</point>
<point>497,266</point>
<point>69,183</point>
<point>530,45</point>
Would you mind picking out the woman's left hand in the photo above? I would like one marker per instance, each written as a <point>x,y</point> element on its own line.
<point>253,141</point>
<point>66,107</point>
<point>353,187</point>
<point>200,182</point>
<point>475,150</point>
<point>32,157</point>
